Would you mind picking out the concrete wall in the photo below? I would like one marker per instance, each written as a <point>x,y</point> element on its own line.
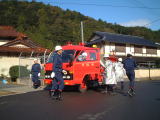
<point>146,74</point>
<point>7,62</point>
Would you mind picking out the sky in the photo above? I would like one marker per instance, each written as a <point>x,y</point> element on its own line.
<point>124,12</point>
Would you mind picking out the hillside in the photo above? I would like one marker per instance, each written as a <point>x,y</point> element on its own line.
<point>49,25</point>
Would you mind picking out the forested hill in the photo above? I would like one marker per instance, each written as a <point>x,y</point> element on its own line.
<point>49,25</point>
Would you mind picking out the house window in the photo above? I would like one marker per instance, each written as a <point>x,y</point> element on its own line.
<point>138,49</point>
<point>151,50</point>
<point>120,47</point>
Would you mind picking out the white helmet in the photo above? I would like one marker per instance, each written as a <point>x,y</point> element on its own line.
<point>84,54</point>
<point>35,59</point>
<point>58,48</point>
<point>120,59</point>
<point>129,53</point>
<point>106,55</point>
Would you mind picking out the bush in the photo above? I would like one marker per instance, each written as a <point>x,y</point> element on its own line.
<point>14,72</point>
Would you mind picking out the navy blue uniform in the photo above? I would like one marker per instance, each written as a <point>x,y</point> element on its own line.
<point>129,66</point>
<point>58,82</point>
<point>36,68</point>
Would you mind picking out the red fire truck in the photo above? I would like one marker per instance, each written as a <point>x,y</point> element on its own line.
<point>83,71</point>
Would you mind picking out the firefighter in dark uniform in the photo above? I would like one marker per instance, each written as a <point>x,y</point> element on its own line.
<point>35,73</point>
<point>58,82</point>
<point>129,66</point>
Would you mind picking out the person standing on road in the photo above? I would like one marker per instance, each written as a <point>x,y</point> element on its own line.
<point>120,73</point>
<point>35,74</point>
<point>57,82</point>
<point>129,66</point>
<point>109,77</point>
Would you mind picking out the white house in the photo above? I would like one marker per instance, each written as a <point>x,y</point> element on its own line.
<point>143,50</point>
<point>17,49</point>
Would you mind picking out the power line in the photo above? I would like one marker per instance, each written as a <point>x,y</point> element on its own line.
<point>151,22</point>
<point>140,3</point>
<point>109,5</point>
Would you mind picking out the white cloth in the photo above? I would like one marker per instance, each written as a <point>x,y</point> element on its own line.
<point>109,77</point>
<point>39,74</point>
<point>102,64</point>
<point>30,75</point>
<point>119,72</point>
<point>52,75</point>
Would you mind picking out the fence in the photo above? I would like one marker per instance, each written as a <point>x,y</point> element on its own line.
<point>25,65</point>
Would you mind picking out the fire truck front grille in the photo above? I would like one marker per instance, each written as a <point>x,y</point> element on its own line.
<point>67,76</point>
<point>48,74</point>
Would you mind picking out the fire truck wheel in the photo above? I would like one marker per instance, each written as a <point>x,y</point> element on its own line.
<point>82,88</point>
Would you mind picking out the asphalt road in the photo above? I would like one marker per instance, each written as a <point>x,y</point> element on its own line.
<point>91,105</point>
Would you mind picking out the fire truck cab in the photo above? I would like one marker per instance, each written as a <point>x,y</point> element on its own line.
<point>82,66</point>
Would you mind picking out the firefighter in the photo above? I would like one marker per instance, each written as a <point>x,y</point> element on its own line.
<point>120,73</point>
<point>35,74</point>
<point>109,79</point>
<point>82,57</point>
<point>129,66</point>
<point>57,82</point>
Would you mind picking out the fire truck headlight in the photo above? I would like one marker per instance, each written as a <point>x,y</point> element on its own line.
<point>64,72</point>
<point>68,77</point>
<point>64,77</point>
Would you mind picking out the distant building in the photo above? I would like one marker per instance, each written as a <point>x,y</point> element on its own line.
<point>14,46</point>
<point>143,50</point>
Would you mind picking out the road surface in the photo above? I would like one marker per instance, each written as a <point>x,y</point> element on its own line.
<point>91,105</point>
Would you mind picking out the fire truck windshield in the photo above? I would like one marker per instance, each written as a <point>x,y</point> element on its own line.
<point>67,56</point>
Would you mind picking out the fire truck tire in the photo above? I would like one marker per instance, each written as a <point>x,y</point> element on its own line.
<point>82,88</point>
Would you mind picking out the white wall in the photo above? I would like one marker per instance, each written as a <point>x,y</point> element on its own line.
<point>129,49</point>
<point>107,49</point>
<point>144,50</point>
<point>3,42</point>
<point>7,62</point>
<point>158,53</point>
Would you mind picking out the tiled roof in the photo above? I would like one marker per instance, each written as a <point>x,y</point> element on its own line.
<point>26,42</point>
<point>25,50</point>
<point>119,38</point>
<point>8,47</point>
<point>8,31</point>
<point>20,38</point>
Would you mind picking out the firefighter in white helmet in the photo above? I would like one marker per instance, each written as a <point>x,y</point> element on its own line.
<point>82,57</point>
<point>57,82</point>
<point>35,74</point>
<point>120,73</point>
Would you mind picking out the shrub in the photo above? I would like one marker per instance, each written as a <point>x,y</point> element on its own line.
<point>14,72</point>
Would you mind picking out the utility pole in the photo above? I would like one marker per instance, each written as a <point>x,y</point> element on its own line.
<point>149,65</point>
<point>82,32</point>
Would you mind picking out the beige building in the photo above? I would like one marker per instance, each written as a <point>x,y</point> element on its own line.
<point>17,49</point>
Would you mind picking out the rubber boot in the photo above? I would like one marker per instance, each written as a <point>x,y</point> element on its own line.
<point>130,93</point>
<point>59,95</point>
<point>105,91</point>
<point>133,91</point>
<point>53,95</point>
